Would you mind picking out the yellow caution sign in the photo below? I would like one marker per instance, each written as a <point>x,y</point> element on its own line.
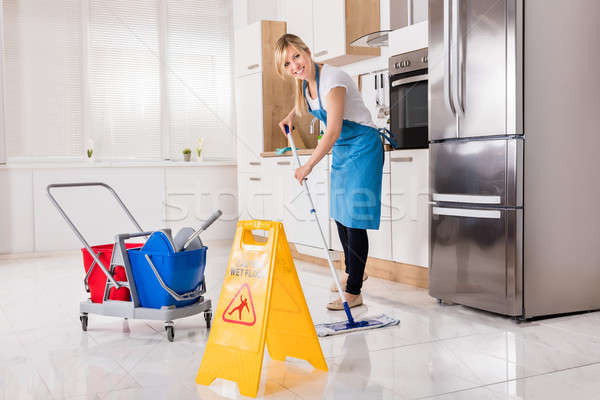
<point>261,302</point>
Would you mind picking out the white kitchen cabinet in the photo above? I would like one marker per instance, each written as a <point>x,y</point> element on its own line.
<point>299,18</point>
<point>335,237</point>
<point>249,110</point>
<point>297,216</point>
<point>277,174</point>
<point>248,50</point>
<point>330,32</point>
<point>330,27</point>
<point>380,241</point>
<point>410,206</point>
<point>250,196</point>
<point>284,199</point>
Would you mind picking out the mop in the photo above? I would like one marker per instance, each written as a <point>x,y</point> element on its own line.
<point>336,328</point>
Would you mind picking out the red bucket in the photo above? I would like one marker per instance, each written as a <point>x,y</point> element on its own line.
<point>97,279</point>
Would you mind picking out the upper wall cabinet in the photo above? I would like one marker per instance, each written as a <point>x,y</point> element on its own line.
<point>332,26</point>
<point>299,18</point>
<point>248,50</point>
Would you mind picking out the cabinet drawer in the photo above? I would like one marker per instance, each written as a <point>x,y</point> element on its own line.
<point>248,161</point>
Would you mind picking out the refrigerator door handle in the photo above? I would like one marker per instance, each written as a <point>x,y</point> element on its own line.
<point>466,198</point>
<point>456,63</point>
<point>463,212</point>
<point>447,61</point>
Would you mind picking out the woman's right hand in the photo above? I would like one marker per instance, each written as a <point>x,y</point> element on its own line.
<point>289,121</point>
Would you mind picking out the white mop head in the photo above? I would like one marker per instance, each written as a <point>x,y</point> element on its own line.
<point>336,328</point>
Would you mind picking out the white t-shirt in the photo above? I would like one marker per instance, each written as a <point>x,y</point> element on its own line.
<point>354,107</point>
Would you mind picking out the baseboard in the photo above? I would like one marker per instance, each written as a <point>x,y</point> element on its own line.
<point>315,260</point>
<point>392,271</point>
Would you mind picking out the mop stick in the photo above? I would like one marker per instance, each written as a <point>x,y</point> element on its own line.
<point>351,323</point>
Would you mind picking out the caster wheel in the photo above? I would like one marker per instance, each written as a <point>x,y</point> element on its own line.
<point>84,322</point>
<point>208,318</point>
<point>170,332</point>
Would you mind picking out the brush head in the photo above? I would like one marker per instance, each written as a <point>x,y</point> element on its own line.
<point>336,328</point>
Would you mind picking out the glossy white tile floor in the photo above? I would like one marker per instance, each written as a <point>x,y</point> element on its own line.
<point>437,352</point>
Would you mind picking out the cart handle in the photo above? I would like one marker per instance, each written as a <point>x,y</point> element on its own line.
<point>193,294</point>
<point>74,228</point>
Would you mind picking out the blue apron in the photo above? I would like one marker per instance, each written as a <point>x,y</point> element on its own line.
<point>356,171</point>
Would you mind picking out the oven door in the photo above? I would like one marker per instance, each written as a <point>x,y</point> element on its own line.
<point>408,110</point>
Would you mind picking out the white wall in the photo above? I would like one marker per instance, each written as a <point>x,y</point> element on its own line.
<point>2,120</point>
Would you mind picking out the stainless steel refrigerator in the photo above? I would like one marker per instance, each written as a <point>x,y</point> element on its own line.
<point>514,130</point>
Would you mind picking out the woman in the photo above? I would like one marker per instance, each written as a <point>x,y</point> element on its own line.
<point>329,94</point>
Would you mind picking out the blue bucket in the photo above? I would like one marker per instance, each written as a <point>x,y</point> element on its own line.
<point>182,272</point>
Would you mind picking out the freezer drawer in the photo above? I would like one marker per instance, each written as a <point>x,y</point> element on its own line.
<point>476,258</point>
<point>477,172</point>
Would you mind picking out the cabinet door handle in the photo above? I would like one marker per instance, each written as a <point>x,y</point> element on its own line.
<point>254,163</point>
<point>254,179</point>
<point>252,66</point>
<point>283,163</point>
<point>401,159</point>
<point>321,53</point>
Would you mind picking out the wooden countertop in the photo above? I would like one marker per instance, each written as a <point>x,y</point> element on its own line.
<point>305,152</point>
<point>301,152</point>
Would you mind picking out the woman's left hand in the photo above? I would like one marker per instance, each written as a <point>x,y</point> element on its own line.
<point>302,172</point>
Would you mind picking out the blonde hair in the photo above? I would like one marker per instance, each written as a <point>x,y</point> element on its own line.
<point>281,47</point>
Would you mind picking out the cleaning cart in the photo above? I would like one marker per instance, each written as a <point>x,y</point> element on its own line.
<point>161,279</point>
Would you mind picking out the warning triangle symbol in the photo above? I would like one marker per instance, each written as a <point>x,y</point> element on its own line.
<point>240,309</point>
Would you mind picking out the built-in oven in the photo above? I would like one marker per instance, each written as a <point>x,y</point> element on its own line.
<point>408,99</point>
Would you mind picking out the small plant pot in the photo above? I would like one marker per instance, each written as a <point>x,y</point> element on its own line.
<point>187,157</point>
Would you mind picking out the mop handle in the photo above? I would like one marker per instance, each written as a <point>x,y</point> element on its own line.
<point>314,213</point>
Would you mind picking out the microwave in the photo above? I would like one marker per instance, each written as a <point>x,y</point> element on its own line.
<point>409,99</point>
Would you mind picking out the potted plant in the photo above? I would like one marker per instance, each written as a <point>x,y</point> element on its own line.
<point>90,150</point>
<point>187,154</point>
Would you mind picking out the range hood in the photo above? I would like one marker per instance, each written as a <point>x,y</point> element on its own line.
<point>401,14</point>
<point>374,39</point>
